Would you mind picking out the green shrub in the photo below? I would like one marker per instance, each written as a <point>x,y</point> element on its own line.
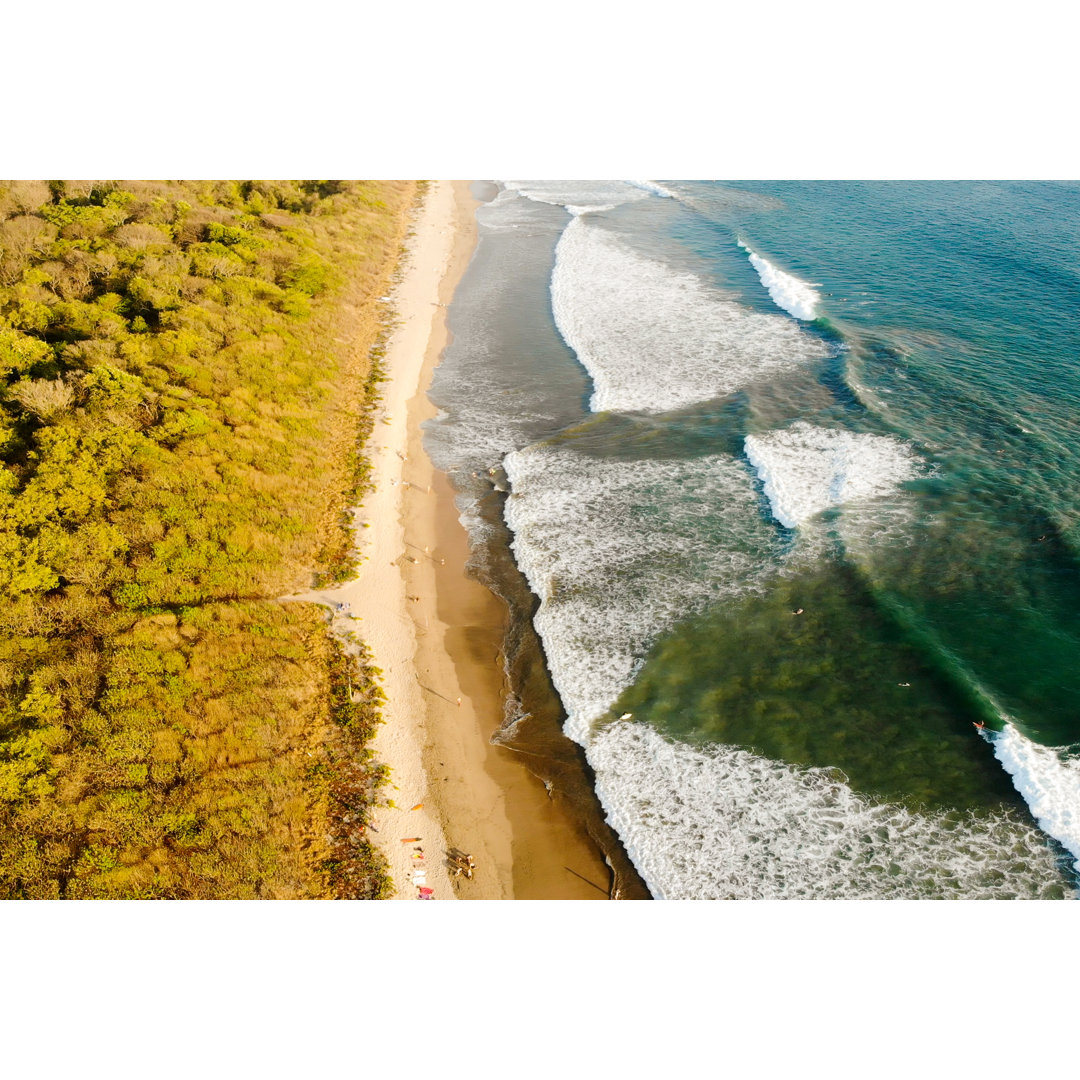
<point>166,387</point>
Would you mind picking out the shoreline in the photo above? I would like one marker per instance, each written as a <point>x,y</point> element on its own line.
<point>437,633</point>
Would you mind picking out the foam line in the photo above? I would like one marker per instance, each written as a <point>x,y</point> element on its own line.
<point>620,551</point>
<point>1049,781</point>
<point>720,822</point>
<point>577,193</point>
<point>807,469</point>
<point>655,188</point>
<point>794,296</point>
<point>577,211</point>
<point>655,339</point>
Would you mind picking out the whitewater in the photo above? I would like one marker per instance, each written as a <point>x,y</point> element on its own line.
<point>796,297</point>
<point>700,463</point>
<point>654,339</point>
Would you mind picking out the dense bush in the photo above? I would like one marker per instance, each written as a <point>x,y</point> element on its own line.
<point>183,375</point>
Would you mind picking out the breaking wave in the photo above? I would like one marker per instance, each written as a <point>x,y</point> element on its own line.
<point>794,296</point>
<point>615,560</point>
<point>593,194</point>
<point>1048,778</point>
<point>655,188</point>
<point>807,469</point>
<point>722,823</point>
<point>655,339</point>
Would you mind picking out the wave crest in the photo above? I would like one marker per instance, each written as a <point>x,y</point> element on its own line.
<point>1048,778</point>
<point>722,823</point>
<point>655,339</point>
<point>807,469</point>
<point>788,292</point>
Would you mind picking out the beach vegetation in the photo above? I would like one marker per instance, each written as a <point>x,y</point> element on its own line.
<point>187,374</point>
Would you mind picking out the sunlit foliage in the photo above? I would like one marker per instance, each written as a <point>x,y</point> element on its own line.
<point>185,369</point>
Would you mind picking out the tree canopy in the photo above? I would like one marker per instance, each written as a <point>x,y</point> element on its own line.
<point>185,371</point>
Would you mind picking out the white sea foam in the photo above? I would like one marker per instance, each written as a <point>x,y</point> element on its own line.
<point>615,567</point>
<point>655,339</point>
<point>807,469</point>
<point>578,193</point>
<point>653,187</point>
<point>1048,778</point>
<point>509,212</point>
<point>722,822</point>
<point>577,211</point>
<point>494,405</point>
<point>794,296</point>
<point>620,551</point>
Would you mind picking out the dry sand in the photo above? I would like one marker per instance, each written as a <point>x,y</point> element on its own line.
<point>436,633</point>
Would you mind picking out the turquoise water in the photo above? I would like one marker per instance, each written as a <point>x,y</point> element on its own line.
<point>959,302</point>
<point>792,474</point>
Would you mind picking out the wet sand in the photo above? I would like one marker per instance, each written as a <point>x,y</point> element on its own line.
<point>437,634</point>
<point>526,847</point>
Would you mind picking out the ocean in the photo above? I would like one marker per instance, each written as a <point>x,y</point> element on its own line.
<point>781,482</point>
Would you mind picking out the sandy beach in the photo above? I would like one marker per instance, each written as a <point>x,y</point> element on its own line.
<point>436,633</point>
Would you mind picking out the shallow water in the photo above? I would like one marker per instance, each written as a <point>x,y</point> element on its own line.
<point>713,406</point>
